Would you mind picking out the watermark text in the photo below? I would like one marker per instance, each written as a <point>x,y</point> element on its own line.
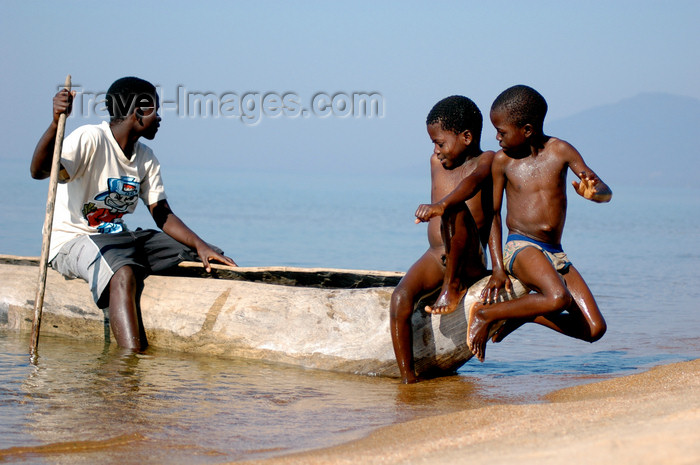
<point>248,107</point>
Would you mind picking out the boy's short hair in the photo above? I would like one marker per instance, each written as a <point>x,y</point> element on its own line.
<point>522,105</point>
<point>457,114</point>
<point>127,94</point>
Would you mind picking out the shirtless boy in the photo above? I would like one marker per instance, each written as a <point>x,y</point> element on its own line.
<point>459,220</point>
<point>532,168</point>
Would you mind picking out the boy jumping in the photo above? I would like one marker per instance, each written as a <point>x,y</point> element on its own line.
<point>105,169</point>
<point>532,168</point>
<point>459,220</point>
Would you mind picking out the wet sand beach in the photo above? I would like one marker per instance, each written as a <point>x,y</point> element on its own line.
<point>646,418</point>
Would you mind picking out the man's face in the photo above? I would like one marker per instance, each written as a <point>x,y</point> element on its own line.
<point>147,114</point>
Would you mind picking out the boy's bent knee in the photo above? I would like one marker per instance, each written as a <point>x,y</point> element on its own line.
<point>598,331</point>
<point>560,300</point>
<point>401,304</point>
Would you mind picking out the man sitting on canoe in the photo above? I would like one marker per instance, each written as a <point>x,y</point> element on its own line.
<point>105,169</point>
<point>459,219</point>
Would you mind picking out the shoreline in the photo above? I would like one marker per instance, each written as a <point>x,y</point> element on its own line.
<point>645,418</point>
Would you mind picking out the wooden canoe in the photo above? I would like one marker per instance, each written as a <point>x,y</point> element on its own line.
<point>315,318</point>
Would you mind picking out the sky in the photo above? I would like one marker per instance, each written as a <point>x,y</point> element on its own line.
<point>404,55</point>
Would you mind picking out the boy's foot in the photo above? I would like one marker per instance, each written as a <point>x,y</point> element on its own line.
<point>477,332</point>
<point>496,329</point>
<point>447,302</point>
<point>506,327</point>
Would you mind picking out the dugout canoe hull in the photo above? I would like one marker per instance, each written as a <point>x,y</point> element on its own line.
<point>326,319</point>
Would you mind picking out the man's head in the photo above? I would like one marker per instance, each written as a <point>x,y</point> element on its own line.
<point>129,94</point>
<point>132,97</point>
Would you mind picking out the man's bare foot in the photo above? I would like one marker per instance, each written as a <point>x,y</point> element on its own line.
<point>506,327</point>
<point>477,331</point>
<point>447,302</point>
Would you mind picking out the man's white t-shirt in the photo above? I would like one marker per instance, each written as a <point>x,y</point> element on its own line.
<point>99,184</point>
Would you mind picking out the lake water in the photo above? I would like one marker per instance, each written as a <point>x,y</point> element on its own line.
<point>86,403</point>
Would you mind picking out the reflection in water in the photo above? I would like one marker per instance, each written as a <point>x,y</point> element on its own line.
<point>83,403</point>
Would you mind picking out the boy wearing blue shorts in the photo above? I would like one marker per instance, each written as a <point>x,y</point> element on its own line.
<point>531,168</point>
<point>105,170</point>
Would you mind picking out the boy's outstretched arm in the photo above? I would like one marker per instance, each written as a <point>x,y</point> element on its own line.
<point>589,186</point>
<point>174,227</point>
<point>465,190</point>
<point>499,279</point>
<point>40,167</point>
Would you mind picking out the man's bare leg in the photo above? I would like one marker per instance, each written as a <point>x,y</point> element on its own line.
<point>124,318</point>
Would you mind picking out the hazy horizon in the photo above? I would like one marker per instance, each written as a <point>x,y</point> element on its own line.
<point>406,54</point>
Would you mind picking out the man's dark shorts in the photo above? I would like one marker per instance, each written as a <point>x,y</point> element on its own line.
<point>95,258</point>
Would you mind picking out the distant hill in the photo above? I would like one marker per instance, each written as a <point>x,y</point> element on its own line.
<point>649,138</point>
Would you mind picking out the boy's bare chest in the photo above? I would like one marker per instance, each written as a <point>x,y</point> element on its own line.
<point>447,180</point>
<point>536,172</point>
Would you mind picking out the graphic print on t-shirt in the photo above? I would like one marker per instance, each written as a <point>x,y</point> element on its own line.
<point>106,214</point>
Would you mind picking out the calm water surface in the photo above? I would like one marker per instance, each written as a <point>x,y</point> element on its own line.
<point>87,403</point>
<point>84,402</point>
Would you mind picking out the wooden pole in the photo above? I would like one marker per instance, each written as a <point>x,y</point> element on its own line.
<point>46,231</point>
